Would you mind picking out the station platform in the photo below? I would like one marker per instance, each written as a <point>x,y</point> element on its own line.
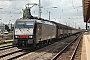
<point>85,55</point>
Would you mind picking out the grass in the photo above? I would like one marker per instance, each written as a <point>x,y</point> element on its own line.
<point>5,44</point>
<point>8,40</point>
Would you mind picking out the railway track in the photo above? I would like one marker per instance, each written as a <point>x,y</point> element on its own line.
<point>47,53</point>
<point>69,51</point>
<point>6,52</point>
<point>6,47</point>
<point>12,53</point>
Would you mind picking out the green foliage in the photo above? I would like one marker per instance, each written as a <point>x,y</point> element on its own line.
<point>7,28</point>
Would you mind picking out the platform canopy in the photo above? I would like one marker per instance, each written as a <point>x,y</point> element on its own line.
<point>86,10</point>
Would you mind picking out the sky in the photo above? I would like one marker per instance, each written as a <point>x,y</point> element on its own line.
<point>68,12</point>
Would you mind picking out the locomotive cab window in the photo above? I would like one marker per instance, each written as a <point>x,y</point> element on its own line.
<point>24,24</point>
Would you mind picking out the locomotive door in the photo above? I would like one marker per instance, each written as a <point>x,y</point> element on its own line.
<point>39,31</point>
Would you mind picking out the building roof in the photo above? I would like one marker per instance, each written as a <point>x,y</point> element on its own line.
<point>86,10</point>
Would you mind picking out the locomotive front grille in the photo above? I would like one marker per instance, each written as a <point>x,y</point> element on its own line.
<point>25,42</point>
<point>22,42</point>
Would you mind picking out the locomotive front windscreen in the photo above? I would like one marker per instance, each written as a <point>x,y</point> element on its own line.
<point>24,24</point>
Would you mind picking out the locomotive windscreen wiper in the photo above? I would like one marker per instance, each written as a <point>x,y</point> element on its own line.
<point>23,26</point>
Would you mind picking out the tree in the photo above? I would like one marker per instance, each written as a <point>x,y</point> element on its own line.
<point>7,28</point>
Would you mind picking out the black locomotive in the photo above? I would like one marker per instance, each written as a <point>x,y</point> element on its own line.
<point>32,30</point>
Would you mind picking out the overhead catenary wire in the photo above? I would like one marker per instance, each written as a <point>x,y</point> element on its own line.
<point>71,1</point>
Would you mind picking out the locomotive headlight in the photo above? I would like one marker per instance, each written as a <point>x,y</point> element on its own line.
<point>30,36</point>
<point>16,36</point>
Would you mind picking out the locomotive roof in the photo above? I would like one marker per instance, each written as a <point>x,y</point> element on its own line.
<point>45,21</point>
<point>37,20</point>
<point>33,20</point>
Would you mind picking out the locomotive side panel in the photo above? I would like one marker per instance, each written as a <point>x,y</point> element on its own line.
<point>38,32</point>
<point>48,31</point>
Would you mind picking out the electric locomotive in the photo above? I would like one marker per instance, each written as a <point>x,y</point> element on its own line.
<point>33,31</point>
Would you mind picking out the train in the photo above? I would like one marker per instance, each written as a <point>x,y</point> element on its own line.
<point>33,32</point>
